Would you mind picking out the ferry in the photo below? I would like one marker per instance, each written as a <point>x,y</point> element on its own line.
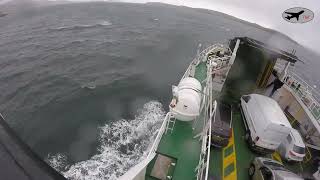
<point>220,75</point>
<point>204,136</point>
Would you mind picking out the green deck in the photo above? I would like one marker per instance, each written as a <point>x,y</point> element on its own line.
<point>181,144</point>
<point>244,155</point>
<point>201,72</point>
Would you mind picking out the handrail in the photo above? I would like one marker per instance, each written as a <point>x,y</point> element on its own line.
<point>309,95</point>
<point>305,92</point>
<point>313,90</point>
<point>209,144</point>
<point>203,165</point>
<point>154,146</point>
<point>216,63</point>
<point>203,54</point>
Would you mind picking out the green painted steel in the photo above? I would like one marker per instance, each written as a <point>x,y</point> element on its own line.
<point>181,143</point>
<point>201,72</point>
<point>244,155</point>
<point>215,166</point>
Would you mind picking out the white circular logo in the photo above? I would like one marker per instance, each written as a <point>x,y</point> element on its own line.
<point>298,15</point>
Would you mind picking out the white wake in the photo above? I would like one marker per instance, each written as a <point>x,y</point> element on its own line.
<point>123,144</point>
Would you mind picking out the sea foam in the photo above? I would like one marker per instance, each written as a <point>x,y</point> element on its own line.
<point>123,144</point>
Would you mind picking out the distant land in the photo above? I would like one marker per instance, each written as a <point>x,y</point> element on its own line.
<point>227,16</point>
<point>248,23</point>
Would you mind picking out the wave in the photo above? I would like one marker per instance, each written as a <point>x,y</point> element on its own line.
<point>123,144</point>
<point>82,26</point>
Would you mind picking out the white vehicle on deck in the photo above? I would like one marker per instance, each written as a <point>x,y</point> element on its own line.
<point>269,169</point>
<point>293,147</point>
<point>265,123</point>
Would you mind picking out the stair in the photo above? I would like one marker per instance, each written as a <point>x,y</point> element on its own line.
<point>170,124</point>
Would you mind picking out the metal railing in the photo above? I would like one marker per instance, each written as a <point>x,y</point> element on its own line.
<point>305,92</point>
<point>207,141</point>
<point>162,129</point>
<point>213,63</point>
<point>203,55</point>
<point>203,165</point>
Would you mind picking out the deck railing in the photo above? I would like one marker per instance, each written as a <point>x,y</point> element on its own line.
<point>203,165</point>
<point>213,63</point>
<point>305,92</point>
<point>203,55</point>
<point>154,146</point>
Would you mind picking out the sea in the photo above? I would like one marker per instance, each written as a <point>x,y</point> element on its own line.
<point>86,85</point>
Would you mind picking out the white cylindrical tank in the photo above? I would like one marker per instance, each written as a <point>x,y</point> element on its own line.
<point>190,82</point>
<point>188,99</point>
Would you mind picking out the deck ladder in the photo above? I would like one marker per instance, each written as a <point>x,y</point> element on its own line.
<point>170,124</point>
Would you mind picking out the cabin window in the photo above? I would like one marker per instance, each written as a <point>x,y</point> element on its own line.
<point>246,98</point>
<point>273,165</point>
<point>298,149</point>
<point>289,138</point>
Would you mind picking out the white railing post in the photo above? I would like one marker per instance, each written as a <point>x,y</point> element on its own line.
<point>159,135</point>
<point>214,62</point>
<point>234,53</point>
<point>305,92</point>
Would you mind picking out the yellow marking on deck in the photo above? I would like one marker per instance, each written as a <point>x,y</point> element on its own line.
<point>276,156</point>
<point>229,160</point>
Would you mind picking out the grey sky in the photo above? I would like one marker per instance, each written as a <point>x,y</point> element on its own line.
<point>269,14</point>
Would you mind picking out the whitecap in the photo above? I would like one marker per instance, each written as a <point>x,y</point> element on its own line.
<point>105,23</point>
<point>82,26</point>
<point>123,144</point>
<point>91,86</point>
<point>57,161</point>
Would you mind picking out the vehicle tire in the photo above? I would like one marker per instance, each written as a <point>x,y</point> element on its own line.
<point>248,139</point>
<point>251,170</point>
<point>247,136</point>
<point>250,143</point>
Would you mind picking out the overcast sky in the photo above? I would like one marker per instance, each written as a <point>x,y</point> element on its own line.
<point>265,13</point>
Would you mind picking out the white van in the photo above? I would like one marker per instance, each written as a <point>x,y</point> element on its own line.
<point>293,147</point>
<point>265,123</point>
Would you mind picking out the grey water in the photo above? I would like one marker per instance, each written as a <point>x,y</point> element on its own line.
<point>86,85</point>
